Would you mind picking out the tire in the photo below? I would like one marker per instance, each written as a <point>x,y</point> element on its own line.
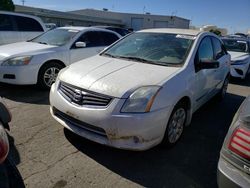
<point>223,89</point>
<point>48,74</point>
<point>4,144</point>
<point>174,131</point>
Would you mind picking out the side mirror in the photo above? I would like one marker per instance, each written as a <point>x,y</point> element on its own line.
<point>208,64</point>
<point>80,45</point>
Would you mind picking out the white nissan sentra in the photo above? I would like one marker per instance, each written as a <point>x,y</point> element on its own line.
<point>39,60</point>
<point>142,90</point>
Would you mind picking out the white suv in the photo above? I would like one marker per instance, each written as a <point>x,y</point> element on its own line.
<point>142,90</point>
<point>15,27</point>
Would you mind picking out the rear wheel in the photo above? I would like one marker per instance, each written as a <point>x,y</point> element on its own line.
<point>175,125</point>
<point>48,74</point>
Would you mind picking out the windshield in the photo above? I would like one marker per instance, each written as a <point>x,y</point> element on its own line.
<point>235,45</point>
<point>155,48</point>
<point>56,37</point>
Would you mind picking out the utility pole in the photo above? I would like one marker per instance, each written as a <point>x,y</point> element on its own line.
<point>23,1</point>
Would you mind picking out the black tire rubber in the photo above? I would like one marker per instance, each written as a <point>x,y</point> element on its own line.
<point>220,96</point>
<point>165,142</point>
<point>40,82</point>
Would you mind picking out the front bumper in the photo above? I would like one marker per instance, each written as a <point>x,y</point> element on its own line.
<point>120,130</point>
<point>228,176</point>
<point>19,75</point>
<point>239,71</point>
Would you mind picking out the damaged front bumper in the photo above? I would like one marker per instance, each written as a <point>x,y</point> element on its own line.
<point>108,126</point>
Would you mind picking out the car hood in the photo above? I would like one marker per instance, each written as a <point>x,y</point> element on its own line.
<point>238,56</point>
<point>114,77</point>
<point>22,48</point>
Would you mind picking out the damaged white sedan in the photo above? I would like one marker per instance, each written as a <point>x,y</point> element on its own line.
<point>143,90</point>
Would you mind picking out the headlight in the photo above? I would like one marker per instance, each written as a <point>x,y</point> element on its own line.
<point>141,100</point>
<point>17,61</point>
<point>239,62</point>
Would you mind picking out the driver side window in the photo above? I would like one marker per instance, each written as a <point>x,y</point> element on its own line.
<point>205,51</point>
<point>91,38</point>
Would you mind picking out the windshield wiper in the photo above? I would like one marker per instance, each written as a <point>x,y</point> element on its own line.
<point>43,43</point>
<point>136,59</point>
<point>109,55</point>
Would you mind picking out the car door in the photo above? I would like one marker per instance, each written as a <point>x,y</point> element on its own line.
<point>94,44</point>
<point>220,55</point>
<point>204,78</point>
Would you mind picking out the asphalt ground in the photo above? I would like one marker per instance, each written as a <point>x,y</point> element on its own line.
<point>44,154</point>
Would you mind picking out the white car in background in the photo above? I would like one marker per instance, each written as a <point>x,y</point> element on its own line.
<point>239,49</point>
<point>15,27</point>
<point>39,60</point>
<point>142,90</point>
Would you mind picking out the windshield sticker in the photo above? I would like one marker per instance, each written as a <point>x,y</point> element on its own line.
<point>186,37</point>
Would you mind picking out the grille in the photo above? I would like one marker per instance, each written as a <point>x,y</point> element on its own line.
<point>72,121</point>
<point>83,97</point>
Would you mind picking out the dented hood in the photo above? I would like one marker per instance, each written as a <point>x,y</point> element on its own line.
<point>114,77</point>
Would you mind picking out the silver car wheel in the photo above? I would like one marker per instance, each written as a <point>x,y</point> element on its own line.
<point>50,75</point>
<point>176,125</point>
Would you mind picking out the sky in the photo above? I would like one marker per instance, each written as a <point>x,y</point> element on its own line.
<point>231,14</point>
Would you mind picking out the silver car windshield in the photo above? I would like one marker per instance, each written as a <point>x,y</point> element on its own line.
<point>235,45</point>
<point>56,37</point>
<point>154,48</point>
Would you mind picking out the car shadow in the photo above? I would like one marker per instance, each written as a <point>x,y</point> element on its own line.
<point>190,163</point>
<point>238,81</point>
<point>25,94</point>
<point>10,177</point>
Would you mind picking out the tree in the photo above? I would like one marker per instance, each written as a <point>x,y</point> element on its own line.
<point>7,5</point>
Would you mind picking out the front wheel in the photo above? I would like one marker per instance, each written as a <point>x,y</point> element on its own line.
<point>48,74</point>
<point>4,144</point>
<point>223,89</point>
<point>175,125</point>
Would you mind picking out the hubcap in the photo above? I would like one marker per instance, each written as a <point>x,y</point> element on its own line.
<point>50,76</point>
<point>176,125</point>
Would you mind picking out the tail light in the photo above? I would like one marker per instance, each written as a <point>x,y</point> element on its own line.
<point>240,142</point>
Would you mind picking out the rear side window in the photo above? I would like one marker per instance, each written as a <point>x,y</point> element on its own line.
<point>108,38</point>
<point>218,50</point>
<point>6,23</point>
<point>205,51</point>
<point>27,24</point>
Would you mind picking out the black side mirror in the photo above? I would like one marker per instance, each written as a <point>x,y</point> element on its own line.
<point>208,64</point>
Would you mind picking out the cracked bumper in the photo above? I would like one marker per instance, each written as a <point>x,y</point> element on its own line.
<point>125,131</point>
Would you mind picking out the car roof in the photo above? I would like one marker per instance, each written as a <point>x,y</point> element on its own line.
<point>173,31</point>
<point>235,38</point>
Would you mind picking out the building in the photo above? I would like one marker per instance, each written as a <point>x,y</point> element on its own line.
<point>66,18</point>
<point>91,17</point>
<point>137,21</point>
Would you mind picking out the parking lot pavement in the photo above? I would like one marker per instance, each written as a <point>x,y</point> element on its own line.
<point>46,155</point>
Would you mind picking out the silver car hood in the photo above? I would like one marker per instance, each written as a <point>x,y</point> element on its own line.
<point>114,77</point>
<point>238,56</point>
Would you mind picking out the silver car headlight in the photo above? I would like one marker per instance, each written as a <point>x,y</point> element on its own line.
<point>141,100</point>
<point>242,62</point>
<point>17,61</point>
